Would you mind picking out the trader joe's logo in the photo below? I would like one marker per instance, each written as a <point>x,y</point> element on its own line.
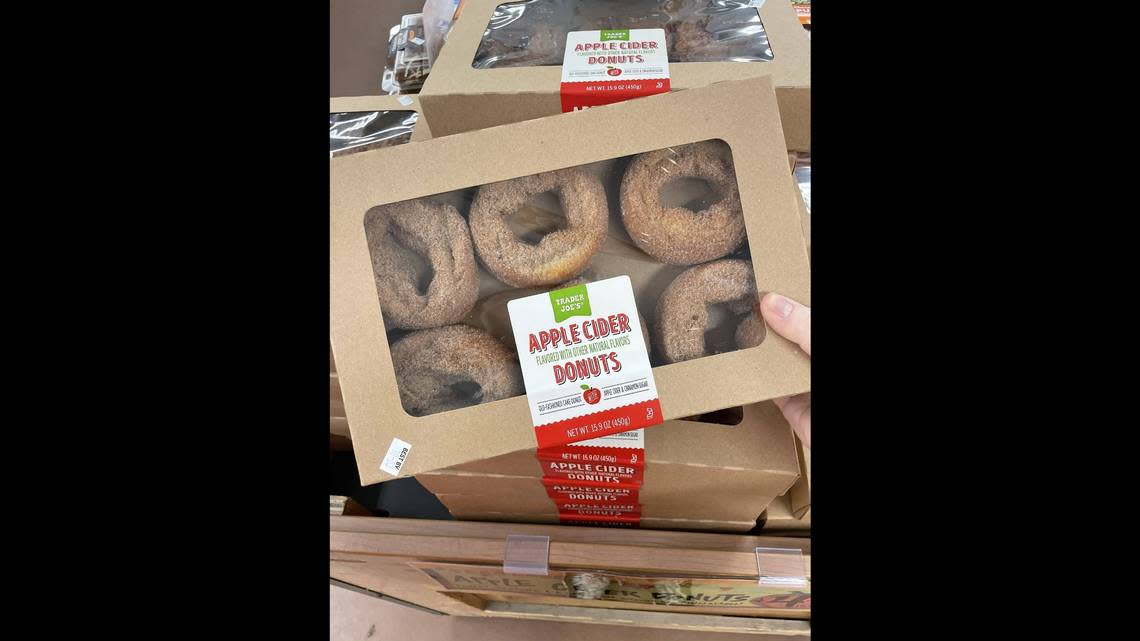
<point>615,34</point>
<point>571,301</point>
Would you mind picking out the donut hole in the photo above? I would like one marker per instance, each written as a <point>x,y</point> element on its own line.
<point>466,392</point>
<point>723,321</point>
<point>689,192</point>
<point>419,267</point>
<point>720,332</point>
<point>540,215</point>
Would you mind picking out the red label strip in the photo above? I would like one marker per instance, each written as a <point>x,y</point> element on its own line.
<point>603,473</point>
<point>575,454</point>
<point>600,493</point>
<point>594,485</point>
<point>583,95</point>
<point>611,421</point>
<point>600,521</point>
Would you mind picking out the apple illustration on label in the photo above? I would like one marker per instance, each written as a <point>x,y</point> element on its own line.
<point>592,394</point>
<point>613,71</point>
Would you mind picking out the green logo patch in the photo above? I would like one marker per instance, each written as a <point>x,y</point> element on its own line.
<point>615,34</point>
<point>571,301</point>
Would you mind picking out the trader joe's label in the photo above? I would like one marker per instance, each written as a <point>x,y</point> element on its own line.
<point>611,65</point>
<point>605,586</point>
<point>584,363</point>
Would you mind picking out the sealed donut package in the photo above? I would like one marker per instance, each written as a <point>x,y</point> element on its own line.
<point>363,123</point>
<point>503,60</point>
<point>606,263</point>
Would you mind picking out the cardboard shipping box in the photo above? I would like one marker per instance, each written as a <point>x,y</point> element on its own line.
<point>461,96</point>
<point>774,243</point>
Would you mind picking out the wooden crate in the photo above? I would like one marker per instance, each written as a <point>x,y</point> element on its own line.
<point>398,558</point>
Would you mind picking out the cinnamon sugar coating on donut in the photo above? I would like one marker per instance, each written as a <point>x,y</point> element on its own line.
<point>433,365</point>
<point>750,332</point>
<point>678,235</point>
<point>561,254</point>
<point>399,236</point>
<point>682,316</point>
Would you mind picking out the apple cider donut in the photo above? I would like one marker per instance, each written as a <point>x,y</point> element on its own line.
<point>682,311</point>
<point>677,235</point>
<point>400,235</point>
<point>750,332</point>
<point>559,255</point>
<point>450,367</point>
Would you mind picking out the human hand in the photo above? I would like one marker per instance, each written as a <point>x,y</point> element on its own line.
<point>791,320</point>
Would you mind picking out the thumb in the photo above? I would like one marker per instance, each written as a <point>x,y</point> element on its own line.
<point>788,318</point>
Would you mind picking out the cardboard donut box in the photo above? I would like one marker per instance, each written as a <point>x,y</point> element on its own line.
<point>693,470</point>
<point>458,97</point>
<point>339,436</point>
<point>772,214</point>
<point>552,517</point>
<point>790,514</point>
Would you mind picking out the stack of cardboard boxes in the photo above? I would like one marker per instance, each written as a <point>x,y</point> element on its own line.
<point>697,470</point>
<point>696,476</point>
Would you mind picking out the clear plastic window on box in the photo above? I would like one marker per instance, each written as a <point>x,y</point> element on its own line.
<point>446,265</point>
<point>533,33</point>
<point>350,132</point>
<point>802,173</point>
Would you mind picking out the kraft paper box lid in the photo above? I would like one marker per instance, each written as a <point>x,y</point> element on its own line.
<point>528,496</point>
<point>453,69</point>
<point>531,503</point>
<point>421,131</point>
<point>361,181</point>
<point>685,492</point>
<point>762,442</point>
<point>534,91</point>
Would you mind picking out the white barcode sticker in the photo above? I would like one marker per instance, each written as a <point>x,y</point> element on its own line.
<point>394,460</point>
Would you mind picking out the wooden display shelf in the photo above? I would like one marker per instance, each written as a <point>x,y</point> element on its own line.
<point>388,557</point>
